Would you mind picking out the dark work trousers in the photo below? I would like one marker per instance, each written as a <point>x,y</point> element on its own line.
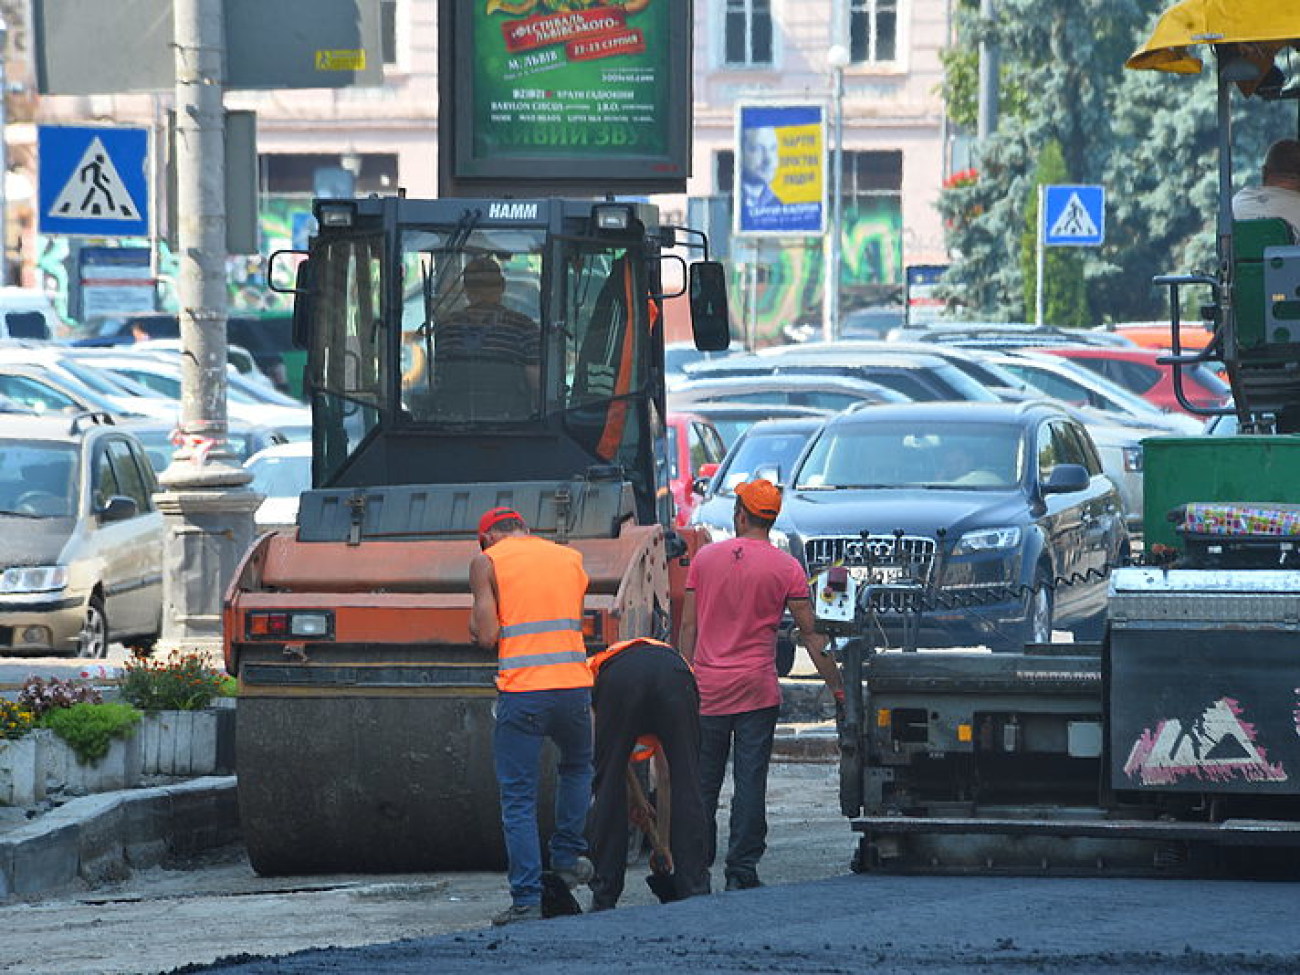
<point>750,734</point>
<point>647,690</point>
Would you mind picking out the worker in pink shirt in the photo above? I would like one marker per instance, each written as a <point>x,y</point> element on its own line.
<point>736,592</point>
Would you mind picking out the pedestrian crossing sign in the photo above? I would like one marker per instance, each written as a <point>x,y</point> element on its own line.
<point>1074,216</point>
<point>93,181</point>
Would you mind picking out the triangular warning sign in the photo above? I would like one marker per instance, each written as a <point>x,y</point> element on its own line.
<point>1074,220</point>
<point>1215,746</point>
<point>95,191</point>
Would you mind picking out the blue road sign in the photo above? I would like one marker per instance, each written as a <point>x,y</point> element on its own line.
<point>1074,216</point>
<point>93,181</point>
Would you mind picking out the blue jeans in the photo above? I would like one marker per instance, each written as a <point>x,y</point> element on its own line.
<point>524,720</point>
<point>750,735</point>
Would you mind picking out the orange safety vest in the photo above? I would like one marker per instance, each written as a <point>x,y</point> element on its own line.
<point>540,586</point>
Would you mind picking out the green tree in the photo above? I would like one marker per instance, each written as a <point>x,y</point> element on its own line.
<point>1065,298</point>
<point>1147,137</point>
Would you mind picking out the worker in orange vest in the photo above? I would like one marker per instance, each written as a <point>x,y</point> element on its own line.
<point>644,687</point>
<point>528,596</point>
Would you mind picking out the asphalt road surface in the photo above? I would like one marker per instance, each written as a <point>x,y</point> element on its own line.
<point>814,916</point>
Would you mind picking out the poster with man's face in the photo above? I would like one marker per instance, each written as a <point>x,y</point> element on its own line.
<point>780,170</point>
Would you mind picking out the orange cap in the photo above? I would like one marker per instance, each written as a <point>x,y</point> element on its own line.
<point>494,517</point>
<point>760,497</point>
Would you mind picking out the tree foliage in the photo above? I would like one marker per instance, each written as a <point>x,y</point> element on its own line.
<point>1149,138</point>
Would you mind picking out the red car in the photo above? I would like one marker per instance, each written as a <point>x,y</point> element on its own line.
<point>695,449</point>
<point>1137,370</point>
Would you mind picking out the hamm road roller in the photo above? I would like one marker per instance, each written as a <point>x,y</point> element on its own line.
<point>461,354</point>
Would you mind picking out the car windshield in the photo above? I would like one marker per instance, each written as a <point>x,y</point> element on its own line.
<point>38,479</point>
<point>771,453</point>
<point>943,455</point>
<point>281,476</point>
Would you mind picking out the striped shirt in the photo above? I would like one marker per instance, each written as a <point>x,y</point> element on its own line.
<point>489,332</point>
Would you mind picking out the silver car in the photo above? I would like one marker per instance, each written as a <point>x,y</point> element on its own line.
<point>83,555</point>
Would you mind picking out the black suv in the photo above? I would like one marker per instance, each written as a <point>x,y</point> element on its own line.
<point>1002,508</point>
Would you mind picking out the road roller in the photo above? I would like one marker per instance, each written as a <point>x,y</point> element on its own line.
<point>461,354</point>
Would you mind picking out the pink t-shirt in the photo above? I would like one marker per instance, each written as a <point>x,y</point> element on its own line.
<point>741,586</point>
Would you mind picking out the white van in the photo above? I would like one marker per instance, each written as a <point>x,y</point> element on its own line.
<point>26,313</point>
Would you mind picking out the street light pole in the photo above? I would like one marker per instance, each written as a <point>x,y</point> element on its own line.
<point>205,501</point>
<point>4,154</point>
<point>837,58</point>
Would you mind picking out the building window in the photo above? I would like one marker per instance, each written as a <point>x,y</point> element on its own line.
<point>873,30</point>
<point>388,31</point>
<point>873,173</point>
<point>724,172</point>
<point>747,33</point>
<point>328,175</point>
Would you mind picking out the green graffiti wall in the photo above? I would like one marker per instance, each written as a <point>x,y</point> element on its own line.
<point>778,284</point>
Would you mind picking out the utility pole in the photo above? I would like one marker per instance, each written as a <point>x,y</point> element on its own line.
<point>837,59</point>
<point>987,122</point>
<point>205,501</point>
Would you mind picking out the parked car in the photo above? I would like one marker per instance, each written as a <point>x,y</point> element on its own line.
<point>694,451</point>
<point>83,552</point>
<point>1004,335</point>
<point>731,420</point>
<point>1138,371</point>
<point>1061,380</point>
<point>94,390</point>
<point>1003,507</point>
<point>823,392</point>
<point>1192,336</point>
<point>26,313</point>
<point>243,440</point>
<point>767,449</point>
<point>918,377</point>
<point>1002,383</point>
<point>679,355</point>
<point>41,391</point>
<point>281,472</point>
<point>267,337</point>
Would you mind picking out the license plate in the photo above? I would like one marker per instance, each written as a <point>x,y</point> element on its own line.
<point>879,575</point>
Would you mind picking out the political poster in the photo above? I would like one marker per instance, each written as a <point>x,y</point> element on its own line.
<point>549,90</point>
<point>780,185</point>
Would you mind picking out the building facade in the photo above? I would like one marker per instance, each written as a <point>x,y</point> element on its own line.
<point>379,139</point>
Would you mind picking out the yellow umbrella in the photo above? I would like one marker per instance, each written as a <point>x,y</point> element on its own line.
<point>1263,27</point>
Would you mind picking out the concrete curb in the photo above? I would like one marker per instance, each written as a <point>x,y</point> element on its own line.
<point>101,838</point>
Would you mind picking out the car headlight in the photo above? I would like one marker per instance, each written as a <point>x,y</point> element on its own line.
<point>988,540</point>
<point>1133,460</point>
<point>780,539</point>
<point>719,533</point>
<point>34,578</point>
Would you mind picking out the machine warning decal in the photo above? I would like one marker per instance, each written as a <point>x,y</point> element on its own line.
<point>1213,746</point>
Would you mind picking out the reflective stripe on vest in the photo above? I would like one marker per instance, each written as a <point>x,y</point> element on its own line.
<point>541,626</point>
<point>540,587</point>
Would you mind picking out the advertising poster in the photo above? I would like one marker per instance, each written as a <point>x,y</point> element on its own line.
<point>556,83</point>
<point>780,170</point>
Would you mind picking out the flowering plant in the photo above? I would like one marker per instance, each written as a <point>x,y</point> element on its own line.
<point>15,719</point>
<point>40,695</point>
<point>182,682</point>
<point>963,177</point>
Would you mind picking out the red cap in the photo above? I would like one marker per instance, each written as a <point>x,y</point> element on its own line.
<point>760,497</point>
<point>493,518</point>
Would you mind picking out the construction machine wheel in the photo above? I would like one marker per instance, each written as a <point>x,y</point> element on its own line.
<point>372,784</point>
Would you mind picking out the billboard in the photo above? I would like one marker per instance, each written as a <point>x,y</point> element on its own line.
<point>565,96</point>
<point>781,181</point>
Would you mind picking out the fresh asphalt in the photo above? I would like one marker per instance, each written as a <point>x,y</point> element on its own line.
<point>879,924</point>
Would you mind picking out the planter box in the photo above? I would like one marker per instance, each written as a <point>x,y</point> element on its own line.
<point>18,765</point>
<point>180,744</point>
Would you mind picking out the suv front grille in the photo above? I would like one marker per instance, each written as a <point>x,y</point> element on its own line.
<point>910,552</point>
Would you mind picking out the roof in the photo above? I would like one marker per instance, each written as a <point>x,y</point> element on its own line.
<point>951,412</point>
<point>71,428</point>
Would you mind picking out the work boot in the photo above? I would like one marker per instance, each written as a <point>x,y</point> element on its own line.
<point>518,912</point>
<point>580,873</point>
<point>743,881</point>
